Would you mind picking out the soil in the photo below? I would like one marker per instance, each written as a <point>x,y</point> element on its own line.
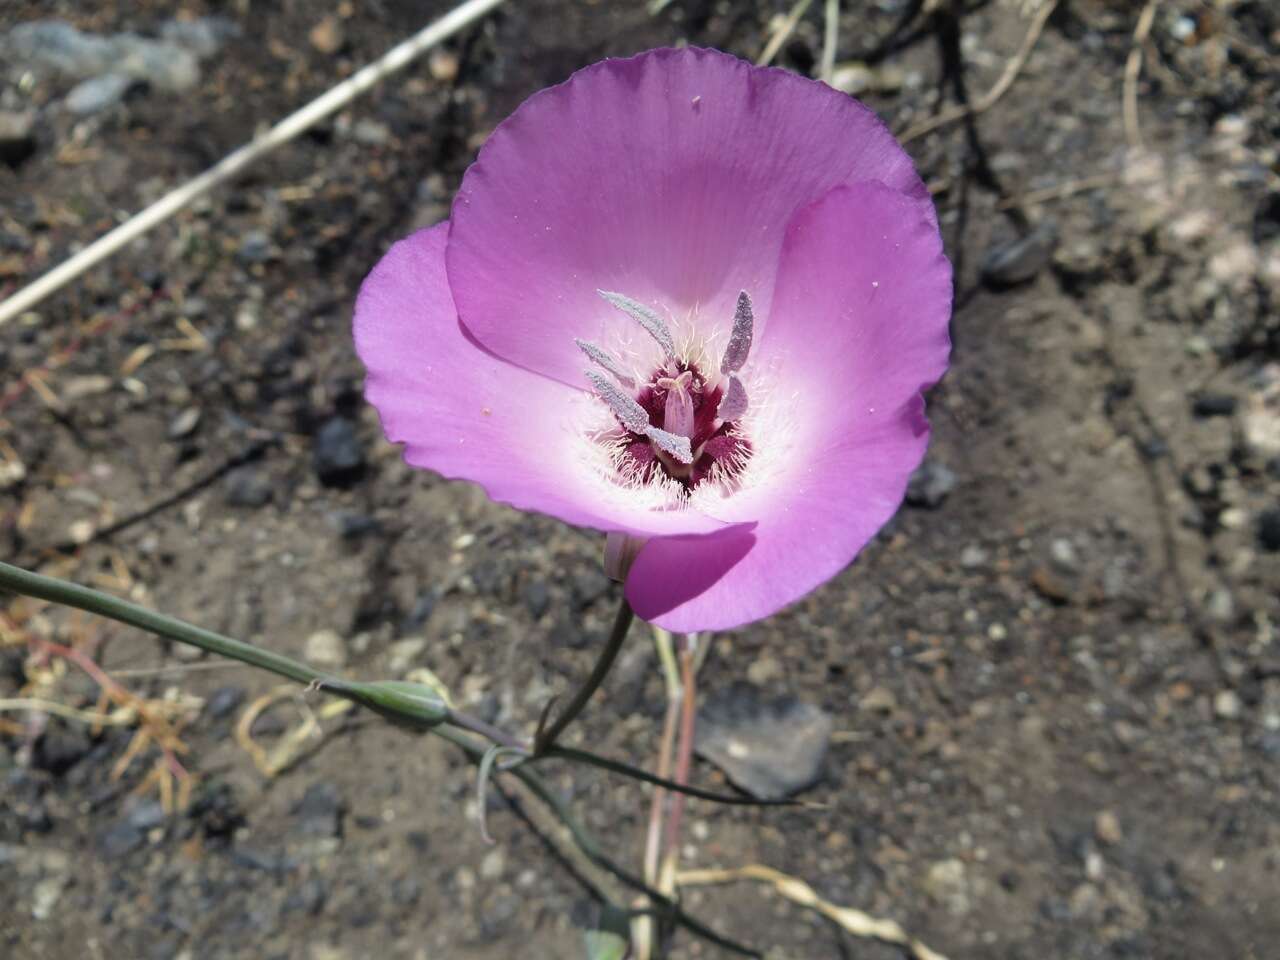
<point>1054,678</point>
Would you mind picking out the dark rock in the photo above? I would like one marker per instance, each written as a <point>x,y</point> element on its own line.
<point>350,525</point>
<point>61,748</point>
<point>224,701</point>
<point>931,484</point>
<point>217,811</point>
<point>120,840</point>
<point>255,247</point>
<point>1213,405</point>
<point>1269,529</point>
<point>337,453</point>
<point>423,607</point>
<point>320,811</point>
<point>247,487</point>
<point>17,136</point>
<point>1009,264</point>
<point>146,815</point>
<point>308,898</point>
<point>770,749</point>
<point>406,891</point>
<point>589,586</point>
<point>537,598</point>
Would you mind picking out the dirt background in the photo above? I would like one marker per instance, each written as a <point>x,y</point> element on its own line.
<point>1054,677</point>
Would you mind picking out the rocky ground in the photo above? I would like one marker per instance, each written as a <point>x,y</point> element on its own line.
<point>1049,694</point>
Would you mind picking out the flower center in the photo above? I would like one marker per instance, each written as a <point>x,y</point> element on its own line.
<point>680,422</point>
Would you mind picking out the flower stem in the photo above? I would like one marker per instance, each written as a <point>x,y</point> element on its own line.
<point>684,760</point>
<point>622,622</point>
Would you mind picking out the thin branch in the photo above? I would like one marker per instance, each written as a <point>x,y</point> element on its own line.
<point>998,89</point>
<point>782,33</point>
<point>339,96</point>
<point>830,40</point>
<point>1132,70</point>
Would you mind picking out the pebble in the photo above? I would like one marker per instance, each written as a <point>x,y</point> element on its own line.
<point>443,65</point>
<point>247,487</point>
<point>878,700</point>
<point>1106,827</point>
<point>1206,405</point>
<point>203,36</point>
<point>255,247</point>
<point>54,46</point>
<point>17,136</point>
<point>223,701</point>
<point>1227,705</point>
<point>1063,553</point>
<point>1269,529</point>
<point>946,883</point>
<point>537,598</point>
<point>403,654</point>
<point>973,556</point>
<point>185,423</point>
<point>327,36</point>
<point>320,811</point>
<point>120,840</point>
<point>337,454</point>
<point>931,484</point>
<point>1009,264</point>
<point>97,94</point>
<point>351,525</point>
<point>325,648</point>
<point>770,749</point>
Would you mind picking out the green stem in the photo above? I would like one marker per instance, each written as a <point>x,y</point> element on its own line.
<point>621,623</point>
<point>84,598</point>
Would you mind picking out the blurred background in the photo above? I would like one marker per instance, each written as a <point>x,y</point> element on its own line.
<point>1045,702</point>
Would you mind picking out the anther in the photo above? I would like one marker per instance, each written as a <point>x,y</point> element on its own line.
<point>642,315</point>
<point>735,354</point>
<point>734,403</point>
<point>632,416</point>
<point>602,359</point>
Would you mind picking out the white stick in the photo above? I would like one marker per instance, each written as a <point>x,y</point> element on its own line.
<point>288,128</point>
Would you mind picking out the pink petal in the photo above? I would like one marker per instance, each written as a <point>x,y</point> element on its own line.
<point>470,416</point>
<point>668,177</point>
<point>859,330</point>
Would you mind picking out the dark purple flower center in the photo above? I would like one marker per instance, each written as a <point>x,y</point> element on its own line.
<point>713,442</point>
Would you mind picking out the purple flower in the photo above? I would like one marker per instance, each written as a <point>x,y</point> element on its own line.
<point>685,301</point>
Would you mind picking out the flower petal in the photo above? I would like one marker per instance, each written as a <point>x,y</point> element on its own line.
<point>668,177</point>
<point>467,415</point>
<point>859,329</point>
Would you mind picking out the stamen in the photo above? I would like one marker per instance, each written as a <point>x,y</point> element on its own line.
<point>629,413</point>
<point>642,315</point>
<point>735,354</point>
<point>677,415</point>
<point>734,403</point>
<point>599,357</point>
<point>632,416</point>
<point>671,444</point>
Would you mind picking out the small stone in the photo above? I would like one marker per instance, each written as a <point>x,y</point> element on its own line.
<point>930,485</point>
<point>327,36</point>
<point>973,556</point>
<point>320,811</point>
<point>770,749</point>
<point>370,132</point>
<point>494,864</point>
<point>1227,705</point>
<point>97,94</point>
<point>247,487</point>
<point>223,701</point>
<point>203,36</point>
<point>350,525</point>
<point>765,669</point>
<point>326,648</point>
<point>17,136</point>
<point>337,453</point>
<point>443,65</point>
<point>255,247</point>
<point>185,423</point>
<point>878,700</point>
<point>1206,405</point>
<point>946,884</point>
<point>403,655</point>
<point>1010,264</point>
<point>1063,553</point>
<point>120,840</point>
<point>1106,827</point>
<point>1269,529</point>
<point>46,894</point>
<point>537,598</point>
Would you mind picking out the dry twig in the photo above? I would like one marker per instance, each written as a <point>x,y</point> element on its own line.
<point>1133,70</point>
<point>998,89</point>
